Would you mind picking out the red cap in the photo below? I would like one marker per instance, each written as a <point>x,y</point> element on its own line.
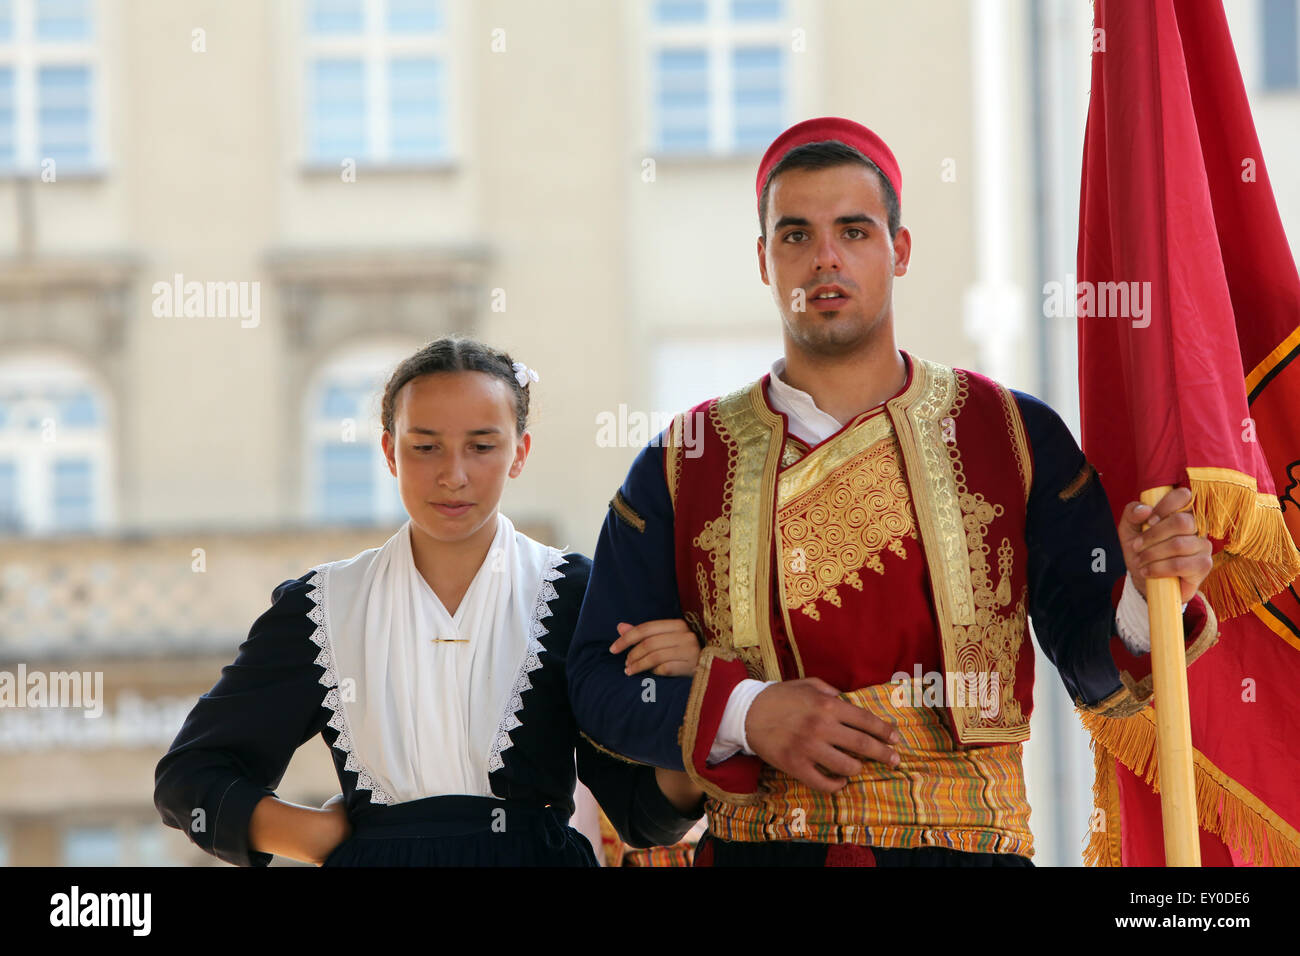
<point>837,128</point>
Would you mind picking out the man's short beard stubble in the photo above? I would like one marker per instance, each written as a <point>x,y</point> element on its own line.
<point>831,338</point>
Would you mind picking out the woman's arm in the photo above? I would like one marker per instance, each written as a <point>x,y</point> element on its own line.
<point>644,812</point>
<point>681,791</point>
<point>235,745</point>
<point>307,834</point>
<point>649,806</point>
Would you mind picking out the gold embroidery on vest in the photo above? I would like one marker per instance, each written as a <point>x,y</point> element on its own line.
<point>953,524</point>
<point>715,538</point>
<point>744,418</point>
<point>1019,441</point>
<point>992,643</point>
<point>793,452</point>
<point>842,525</point>
<point>673,457</point>
<point>918,424</point>
<point>807,474</point>
<point>1006,557</point>
<point>816,467</point>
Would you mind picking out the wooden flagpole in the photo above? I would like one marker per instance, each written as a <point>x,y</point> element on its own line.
<point>1173,715</point>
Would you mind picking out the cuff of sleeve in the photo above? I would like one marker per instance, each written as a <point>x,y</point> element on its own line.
<point>1200,633</point>
<point>734,780</point>
<point>731,737</point>
<point>230,828</point>
<point>1132,621</point>
<point>656,818</point>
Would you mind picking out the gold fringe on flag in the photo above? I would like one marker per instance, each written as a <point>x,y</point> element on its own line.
<point>1103,846</point>
<point>1223,806</point>
<point>1258,557</point>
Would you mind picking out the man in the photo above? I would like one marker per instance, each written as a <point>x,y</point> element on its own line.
<point>859,539</point>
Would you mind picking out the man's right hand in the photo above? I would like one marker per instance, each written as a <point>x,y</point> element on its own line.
<point>801,727</point>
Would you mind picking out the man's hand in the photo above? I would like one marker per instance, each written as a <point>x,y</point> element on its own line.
<point>668,647</point>
<point>1169,547</point>
<point>802,727</point>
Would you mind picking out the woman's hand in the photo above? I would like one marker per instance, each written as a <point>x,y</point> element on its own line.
<point>668,647</point>
<point>337,827</point>
<point>681,791</point>
<point>306,834</point>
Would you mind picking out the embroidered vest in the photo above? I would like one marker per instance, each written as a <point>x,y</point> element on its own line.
<point>967,466</point>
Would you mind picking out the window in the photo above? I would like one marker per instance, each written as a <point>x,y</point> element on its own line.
<point>152,845</point>
<point>48,85</point>
<point>54,449</point>
<point>10,518</point>
<point>1280,28</point>
<point>376,81</point>
<point>73,492</point>
<point>117,843</point>
<point>718,75</point>
<point>92,846</point>
<point>347,474</point>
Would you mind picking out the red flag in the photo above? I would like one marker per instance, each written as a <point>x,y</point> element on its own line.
<point>1189,374</point>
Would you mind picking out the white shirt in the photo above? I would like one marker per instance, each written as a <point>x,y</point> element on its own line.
<point>424,716</point>
<point>811,425</point>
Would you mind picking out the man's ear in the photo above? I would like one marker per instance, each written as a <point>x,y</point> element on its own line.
<point>762,260</point>
<point>902,250</point>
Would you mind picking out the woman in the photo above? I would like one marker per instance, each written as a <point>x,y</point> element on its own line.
<point>433,666</point>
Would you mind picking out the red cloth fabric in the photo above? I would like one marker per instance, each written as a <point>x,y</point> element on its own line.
<point>827,128</point>
<point>740,773</point>
<point>1163,396</point>
<point>1142,841</point>
<point>1175,193</point>
<point>849,854</point>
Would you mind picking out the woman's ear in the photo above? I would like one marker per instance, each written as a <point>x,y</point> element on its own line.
<point>386,440</point>
<point>521,454</point>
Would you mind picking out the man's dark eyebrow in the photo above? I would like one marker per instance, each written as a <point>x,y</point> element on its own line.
<point>415,429</point>
<point>839,221</point>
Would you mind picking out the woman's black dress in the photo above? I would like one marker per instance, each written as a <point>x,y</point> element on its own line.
<point>237,741</point>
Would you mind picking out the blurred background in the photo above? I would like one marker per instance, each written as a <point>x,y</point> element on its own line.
<point>344,180</point>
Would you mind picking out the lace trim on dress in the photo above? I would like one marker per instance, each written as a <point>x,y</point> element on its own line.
<point>541,609</point>
<point>320,637</point>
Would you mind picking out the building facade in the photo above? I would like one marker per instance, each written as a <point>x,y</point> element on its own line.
<point>226,222</point>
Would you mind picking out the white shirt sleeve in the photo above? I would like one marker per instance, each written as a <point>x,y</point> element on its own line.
<point>731,738</point>
<point>1131,620</point>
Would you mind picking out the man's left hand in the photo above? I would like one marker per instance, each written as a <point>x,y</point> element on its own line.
<point>1169,547</point>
